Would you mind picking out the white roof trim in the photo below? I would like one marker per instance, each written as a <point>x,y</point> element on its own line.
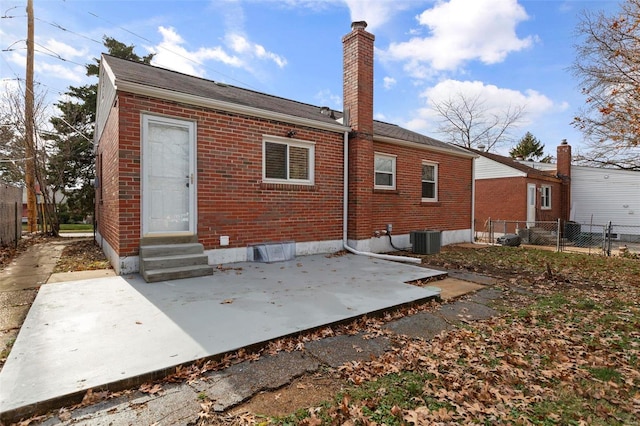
<point>141,89</point>
<point>410,144</point>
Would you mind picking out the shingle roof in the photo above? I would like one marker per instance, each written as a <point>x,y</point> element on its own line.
<point>508,161</point>
<point>136,72</point>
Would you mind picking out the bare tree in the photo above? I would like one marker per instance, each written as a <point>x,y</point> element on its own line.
<point>608,67</point>
<point>13,152</point>
<point>466,120</point>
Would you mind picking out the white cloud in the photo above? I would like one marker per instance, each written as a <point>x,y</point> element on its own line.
<point>241,45</point>
<point>171,54</point>
<point>55,47</point>
<point>238,52</point>
<point>495,99</point>
<point>326,98</point>
<point>462,31</point>
<point>376,13</point>
<point>389,82</point>
<point>75,74</point>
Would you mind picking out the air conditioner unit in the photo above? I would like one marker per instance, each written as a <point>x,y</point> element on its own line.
<point>425,242</point>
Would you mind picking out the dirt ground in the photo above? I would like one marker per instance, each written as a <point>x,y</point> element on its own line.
<point>306,391</point>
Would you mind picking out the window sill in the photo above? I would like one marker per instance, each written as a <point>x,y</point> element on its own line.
<point>430,203</point>
<point>386,191</point>
<point>287,187</point>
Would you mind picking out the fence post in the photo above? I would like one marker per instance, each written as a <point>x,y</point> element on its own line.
<point>608,241</point>
<point>18,224</point>
<point>558,236</point>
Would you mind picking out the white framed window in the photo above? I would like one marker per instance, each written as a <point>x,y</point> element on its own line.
<point>429,181</point>
<point>545,197</point>
<point>385,171</point>
<point>287,160</point>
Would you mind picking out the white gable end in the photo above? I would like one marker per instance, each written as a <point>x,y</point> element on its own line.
<point>486,168</point>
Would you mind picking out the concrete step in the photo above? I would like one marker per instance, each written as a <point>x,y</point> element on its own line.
<point>159,262</point>
<point>166,274</point>
<point>160,250</point>
<point>182,239</point>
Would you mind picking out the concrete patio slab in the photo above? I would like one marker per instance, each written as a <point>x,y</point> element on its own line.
<point>60,277</point>
<point>452,287</point>
<point>92,333</point>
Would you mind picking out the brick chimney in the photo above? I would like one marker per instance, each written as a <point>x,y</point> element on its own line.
<point>358,108</point>
<point>563,171</point>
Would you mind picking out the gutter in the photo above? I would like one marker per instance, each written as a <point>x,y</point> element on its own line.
<point>345,215</point>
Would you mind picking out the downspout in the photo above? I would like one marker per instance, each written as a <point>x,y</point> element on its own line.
<point>345,214</point>
<point>473,200</point>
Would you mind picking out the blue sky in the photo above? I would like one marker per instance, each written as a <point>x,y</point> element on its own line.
<point>509,52</point>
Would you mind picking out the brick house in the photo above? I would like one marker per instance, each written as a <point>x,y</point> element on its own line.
<point>508,189</point>
<point>184,159</point>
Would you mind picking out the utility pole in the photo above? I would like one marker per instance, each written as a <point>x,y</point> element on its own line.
<point>30,164</point>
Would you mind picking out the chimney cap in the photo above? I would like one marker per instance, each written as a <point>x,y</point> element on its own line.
<point>357,25</point>
<point>564,142</point>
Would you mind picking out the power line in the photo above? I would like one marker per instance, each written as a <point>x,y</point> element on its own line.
<point>60,27</point>
<point>133,33</point>
<point>21,79</point>
<point>241,83</point>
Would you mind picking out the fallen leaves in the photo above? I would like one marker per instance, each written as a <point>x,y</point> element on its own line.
<point>151,388</point>
<point>83,255</point>
<point>566,349</point>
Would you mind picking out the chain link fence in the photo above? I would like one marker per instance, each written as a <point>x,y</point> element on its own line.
<point>608,239</point>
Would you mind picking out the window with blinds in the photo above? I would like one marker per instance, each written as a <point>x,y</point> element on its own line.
<point>287,161</point>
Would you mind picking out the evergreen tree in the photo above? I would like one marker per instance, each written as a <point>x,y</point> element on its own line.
<point>529,148</point>
<point>71,166</point>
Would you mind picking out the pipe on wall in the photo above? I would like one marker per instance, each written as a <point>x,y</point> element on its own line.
<point>345,215</point>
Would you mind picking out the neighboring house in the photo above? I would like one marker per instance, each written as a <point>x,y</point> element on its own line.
<point>507,189</point>
<point>228,167</point>
<point>600,196</point>
<point>59,199</point>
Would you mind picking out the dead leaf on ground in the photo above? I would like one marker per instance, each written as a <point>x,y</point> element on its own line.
<point>150,388</point>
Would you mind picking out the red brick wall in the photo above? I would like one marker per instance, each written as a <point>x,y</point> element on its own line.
<point>107,192</point>
<point>358,101</point>
<point>506,199</point>
<point>404,209</point>
<point>232,200</point>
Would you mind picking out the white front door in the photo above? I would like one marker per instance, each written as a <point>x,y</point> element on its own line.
<point>531,205</point>
<point>168,176</point>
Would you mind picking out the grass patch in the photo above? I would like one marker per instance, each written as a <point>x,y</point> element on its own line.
<point>76,227</point>
<point>606,374</point>
<point>537,363</point>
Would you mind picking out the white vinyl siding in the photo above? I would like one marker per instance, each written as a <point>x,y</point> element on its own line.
<point>490,169</point>
<point>602,195</point>
<point>385,171</point>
